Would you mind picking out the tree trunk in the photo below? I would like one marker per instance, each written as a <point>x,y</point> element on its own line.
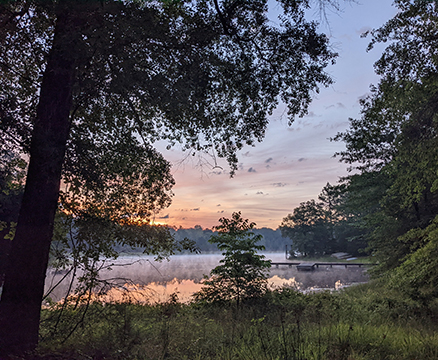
<point>23,289</point>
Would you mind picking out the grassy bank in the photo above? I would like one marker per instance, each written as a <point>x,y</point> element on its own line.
<point>362,322</point>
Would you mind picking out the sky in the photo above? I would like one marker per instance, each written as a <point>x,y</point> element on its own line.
<point>293,163</point>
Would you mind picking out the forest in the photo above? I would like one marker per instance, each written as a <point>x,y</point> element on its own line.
<point>272,240</point>
<point>88,88</point>
<point>388,205</point>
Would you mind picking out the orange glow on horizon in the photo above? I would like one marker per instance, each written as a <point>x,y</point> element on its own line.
<point>144,221</point>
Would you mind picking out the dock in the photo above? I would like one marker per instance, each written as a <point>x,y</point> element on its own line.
<point>306,266</point>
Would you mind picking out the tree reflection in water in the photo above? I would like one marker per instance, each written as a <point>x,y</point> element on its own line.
<point>139,278</point>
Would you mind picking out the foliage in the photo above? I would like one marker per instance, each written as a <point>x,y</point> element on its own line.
<point>271,239</point>
<point>364,322</point>
<point>111,168</point>
<point>158,93</point>
<point>324,227</point>
<point>308,228</point>
<point>82,246</point>
<point>242,274</point>
<point>198,235</point>
<point>88,87</point>
<point>12,175</point>
<point>391,200</point>
<point>394,143</point>
<point>417,276</point>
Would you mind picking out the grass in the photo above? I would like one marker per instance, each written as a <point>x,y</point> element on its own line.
<point>362,322</point>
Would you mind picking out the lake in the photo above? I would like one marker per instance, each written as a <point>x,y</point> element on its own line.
<point>141,279</point>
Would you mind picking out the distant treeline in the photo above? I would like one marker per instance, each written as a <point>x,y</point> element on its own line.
<point>272,239</point>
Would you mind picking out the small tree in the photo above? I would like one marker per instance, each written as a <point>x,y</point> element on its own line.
<point>242,273</point>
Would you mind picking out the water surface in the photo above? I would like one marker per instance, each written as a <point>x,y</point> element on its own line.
<point>142,279</point>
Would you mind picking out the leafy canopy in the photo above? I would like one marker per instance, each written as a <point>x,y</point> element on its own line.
<point>324,226</point>
<point>394,143</point>
<point>202,73</point>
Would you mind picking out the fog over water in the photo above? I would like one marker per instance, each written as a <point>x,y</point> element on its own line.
<point>150,281</point>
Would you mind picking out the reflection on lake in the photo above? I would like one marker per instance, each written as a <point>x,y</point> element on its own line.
<point>149,281</point>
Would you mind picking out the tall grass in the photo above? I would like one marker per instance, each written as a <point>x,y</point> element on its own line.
<point>362,322</point>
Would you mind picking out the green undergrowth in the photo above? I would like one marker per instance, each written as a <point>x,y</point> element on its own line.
<point>363,322</point>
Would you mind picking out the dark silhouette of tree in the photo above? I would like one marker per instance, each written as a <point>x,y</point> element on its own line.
<point>309,228</point>
<point>12,173</point>
<point>327,226</point>
<point>89,86</point>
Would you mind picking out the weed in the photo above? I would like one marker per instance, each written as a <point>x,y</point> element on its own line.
<point>367,322</point>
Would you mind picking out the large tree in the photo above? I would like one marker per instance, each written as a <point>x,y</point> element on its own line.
<point>88,86</point>
<point>325,226</point>
<point>309,228</point>
<point>394,143</point>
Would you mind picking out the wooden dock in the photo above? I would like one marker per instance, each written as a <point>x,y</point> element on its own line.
<point>307,266</point>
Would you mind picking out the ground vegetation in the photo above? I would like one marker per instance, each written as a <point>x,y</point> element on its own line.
<point>369,322</point>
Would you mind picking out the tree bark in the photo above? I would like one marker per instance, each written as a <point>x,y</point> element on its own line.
<point>23,288</point>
